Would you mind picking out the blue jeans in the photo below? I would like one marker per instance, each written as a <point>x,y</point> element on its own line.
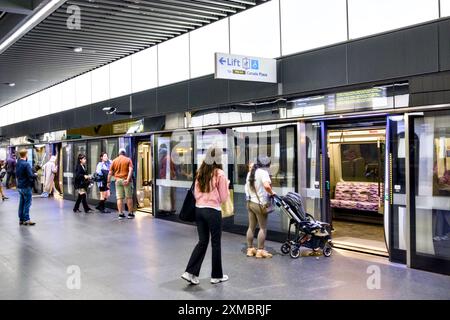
<point>25,204</point>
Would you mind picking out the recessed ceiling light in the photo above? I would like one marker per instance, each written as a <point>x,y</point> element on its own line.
<point>78,49</point>
<point>10,84</point>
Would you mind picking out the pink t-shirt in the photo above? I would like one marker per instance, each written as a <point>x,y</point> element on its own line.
<point>218,194</point>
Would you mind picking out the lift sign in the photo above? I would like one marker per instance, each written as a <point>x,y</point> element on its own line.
<point>234,67</point>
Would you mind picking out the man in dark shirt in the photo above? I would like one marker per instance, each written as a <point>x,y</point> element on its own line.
<point>25,181</point>
<point>10,171</point>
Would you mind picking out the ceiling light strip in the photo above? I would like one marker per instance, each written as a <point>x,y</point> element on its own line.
<point>36,18</point>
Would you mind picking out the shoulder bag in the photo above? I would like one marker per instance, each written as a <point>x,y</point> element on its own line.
<point>187,212</point>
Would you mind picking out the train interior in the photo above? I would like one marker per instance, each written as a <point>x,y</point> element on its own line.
<point>144,177</point>
<point>357,174</point>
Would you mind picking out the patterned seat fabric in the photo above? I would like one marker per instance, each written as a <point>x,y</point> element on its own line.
<point>357,195</point>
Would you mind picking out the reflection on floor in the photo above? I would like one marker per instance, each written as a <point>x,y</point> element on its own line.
<point>357,234</point>
<point>146,210</point>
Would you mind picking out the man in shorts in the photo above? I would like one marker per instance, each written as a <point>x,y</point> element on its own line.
<point>122,170</point>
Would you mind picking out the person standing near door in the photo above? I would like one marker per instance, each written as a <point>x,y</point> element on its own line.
<point>48,173</point>
<point>102,171</point>
<point>11,171</point>
<point>122,171</point>
<point>2,175</point>
<point>211,190</point>
<point>25,181</point>
<point>81,184</point>
<point>258,189</point>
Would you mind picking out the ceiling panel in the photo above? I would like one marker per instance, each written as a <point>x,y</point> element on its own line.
<point>110,30</point>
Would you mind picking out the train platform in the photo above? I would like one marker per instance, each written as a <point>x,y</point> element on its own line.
<point>96,256</point>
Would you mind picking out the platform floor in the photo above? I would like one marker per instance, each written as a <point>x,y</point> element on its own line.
<point>144,258</point>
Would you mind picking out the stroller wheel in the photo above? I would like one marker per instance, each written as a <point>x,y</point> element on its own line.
<point>295,252</point>
<point>285,248</point>
<point>327,250</point>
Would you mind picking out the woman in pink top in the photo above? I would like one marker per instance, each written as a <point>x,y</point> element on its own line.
<point>211,190</point>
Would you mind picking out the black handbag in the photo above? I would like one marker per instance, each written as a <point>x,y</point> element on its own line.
<point>187,212</point>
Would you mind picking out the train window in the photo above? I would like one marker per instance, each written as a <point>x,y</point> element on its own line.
<point>361,162</point>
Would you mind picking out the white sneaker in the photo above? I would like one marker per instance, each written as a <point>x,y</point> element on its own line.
<point>219,280</point>
<point>190,278</point>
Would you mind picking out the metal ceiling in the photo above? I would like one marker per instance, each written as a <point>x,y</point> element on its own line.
<point>110,30</point>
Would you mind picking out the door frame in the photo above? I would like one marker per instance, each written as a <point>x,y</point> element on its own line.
<point>325,174</point>
<point>134,156</point>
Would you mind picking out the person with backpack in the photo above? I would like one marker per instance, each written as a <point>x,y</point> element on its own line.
<point>102,172</point>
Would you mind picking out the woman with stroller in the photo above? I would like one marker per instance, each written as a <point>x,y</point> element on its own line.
<point>258,189</point>
<point>81,184</point>
<point>211,190</point>
<point>102,172</point>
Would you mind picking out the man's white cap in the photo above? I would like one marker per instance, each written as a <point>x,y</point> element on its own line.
<point>122,150</point>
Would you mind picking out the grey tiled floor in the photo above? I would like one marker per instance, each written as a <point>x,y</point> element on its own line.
<point>144,258</point>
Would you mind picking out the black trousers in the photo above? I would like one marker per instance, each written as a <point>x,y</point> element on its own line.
<point>81,198</point>
<point>208,221</point>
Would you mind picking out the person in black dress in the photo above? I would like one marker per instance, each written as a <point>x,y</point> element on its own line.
<point>81,184</point>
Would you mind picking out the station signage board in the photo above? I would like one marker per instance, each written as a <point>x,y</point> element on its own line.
<point>246,68</point>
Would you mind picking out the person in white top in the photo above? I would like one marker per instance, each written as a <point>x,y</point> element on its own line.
<point>258,190</point>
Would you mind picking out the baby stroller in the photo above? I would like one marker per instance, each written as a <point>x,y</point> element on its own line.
<point>309,233</point>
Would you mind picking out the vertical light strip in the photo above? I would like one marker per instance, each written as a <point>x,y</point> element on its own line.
<point>408,191</point>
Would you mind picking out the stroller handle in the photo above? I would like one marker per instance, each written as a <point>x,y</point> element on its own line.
<point>279,201</point>
<point>276,197</point>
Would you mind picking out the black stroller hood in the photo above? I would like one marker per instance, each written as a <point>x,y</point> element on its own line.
<point>295,202</point>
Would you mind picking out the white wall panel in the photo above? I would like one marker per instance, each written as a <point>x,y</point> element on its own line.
<point>2,116</point>
<point>256,31</point>
<point>100,84</point>
<point>369,17</point>
<point>144,70</point>
<point>34,112</point>
<point>204,42</point>
<point>307,24</point>
<point>173,60</point>
<point>44,103</point>
<point>120,77</point>
<point>26,108</point>
<point>10,113</point>
<point>68,94</point>
<point>55,99</point>
<point>83,89</point>
<point>445,8</point>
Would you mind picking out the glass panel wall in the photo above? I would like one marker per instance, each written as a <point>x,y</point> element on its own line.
<point>432,194</point>
<point>68,167</point>
<point>93,158</point>
<point>309,174</point>
<point>174,170</point>
<point>277,142</point>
